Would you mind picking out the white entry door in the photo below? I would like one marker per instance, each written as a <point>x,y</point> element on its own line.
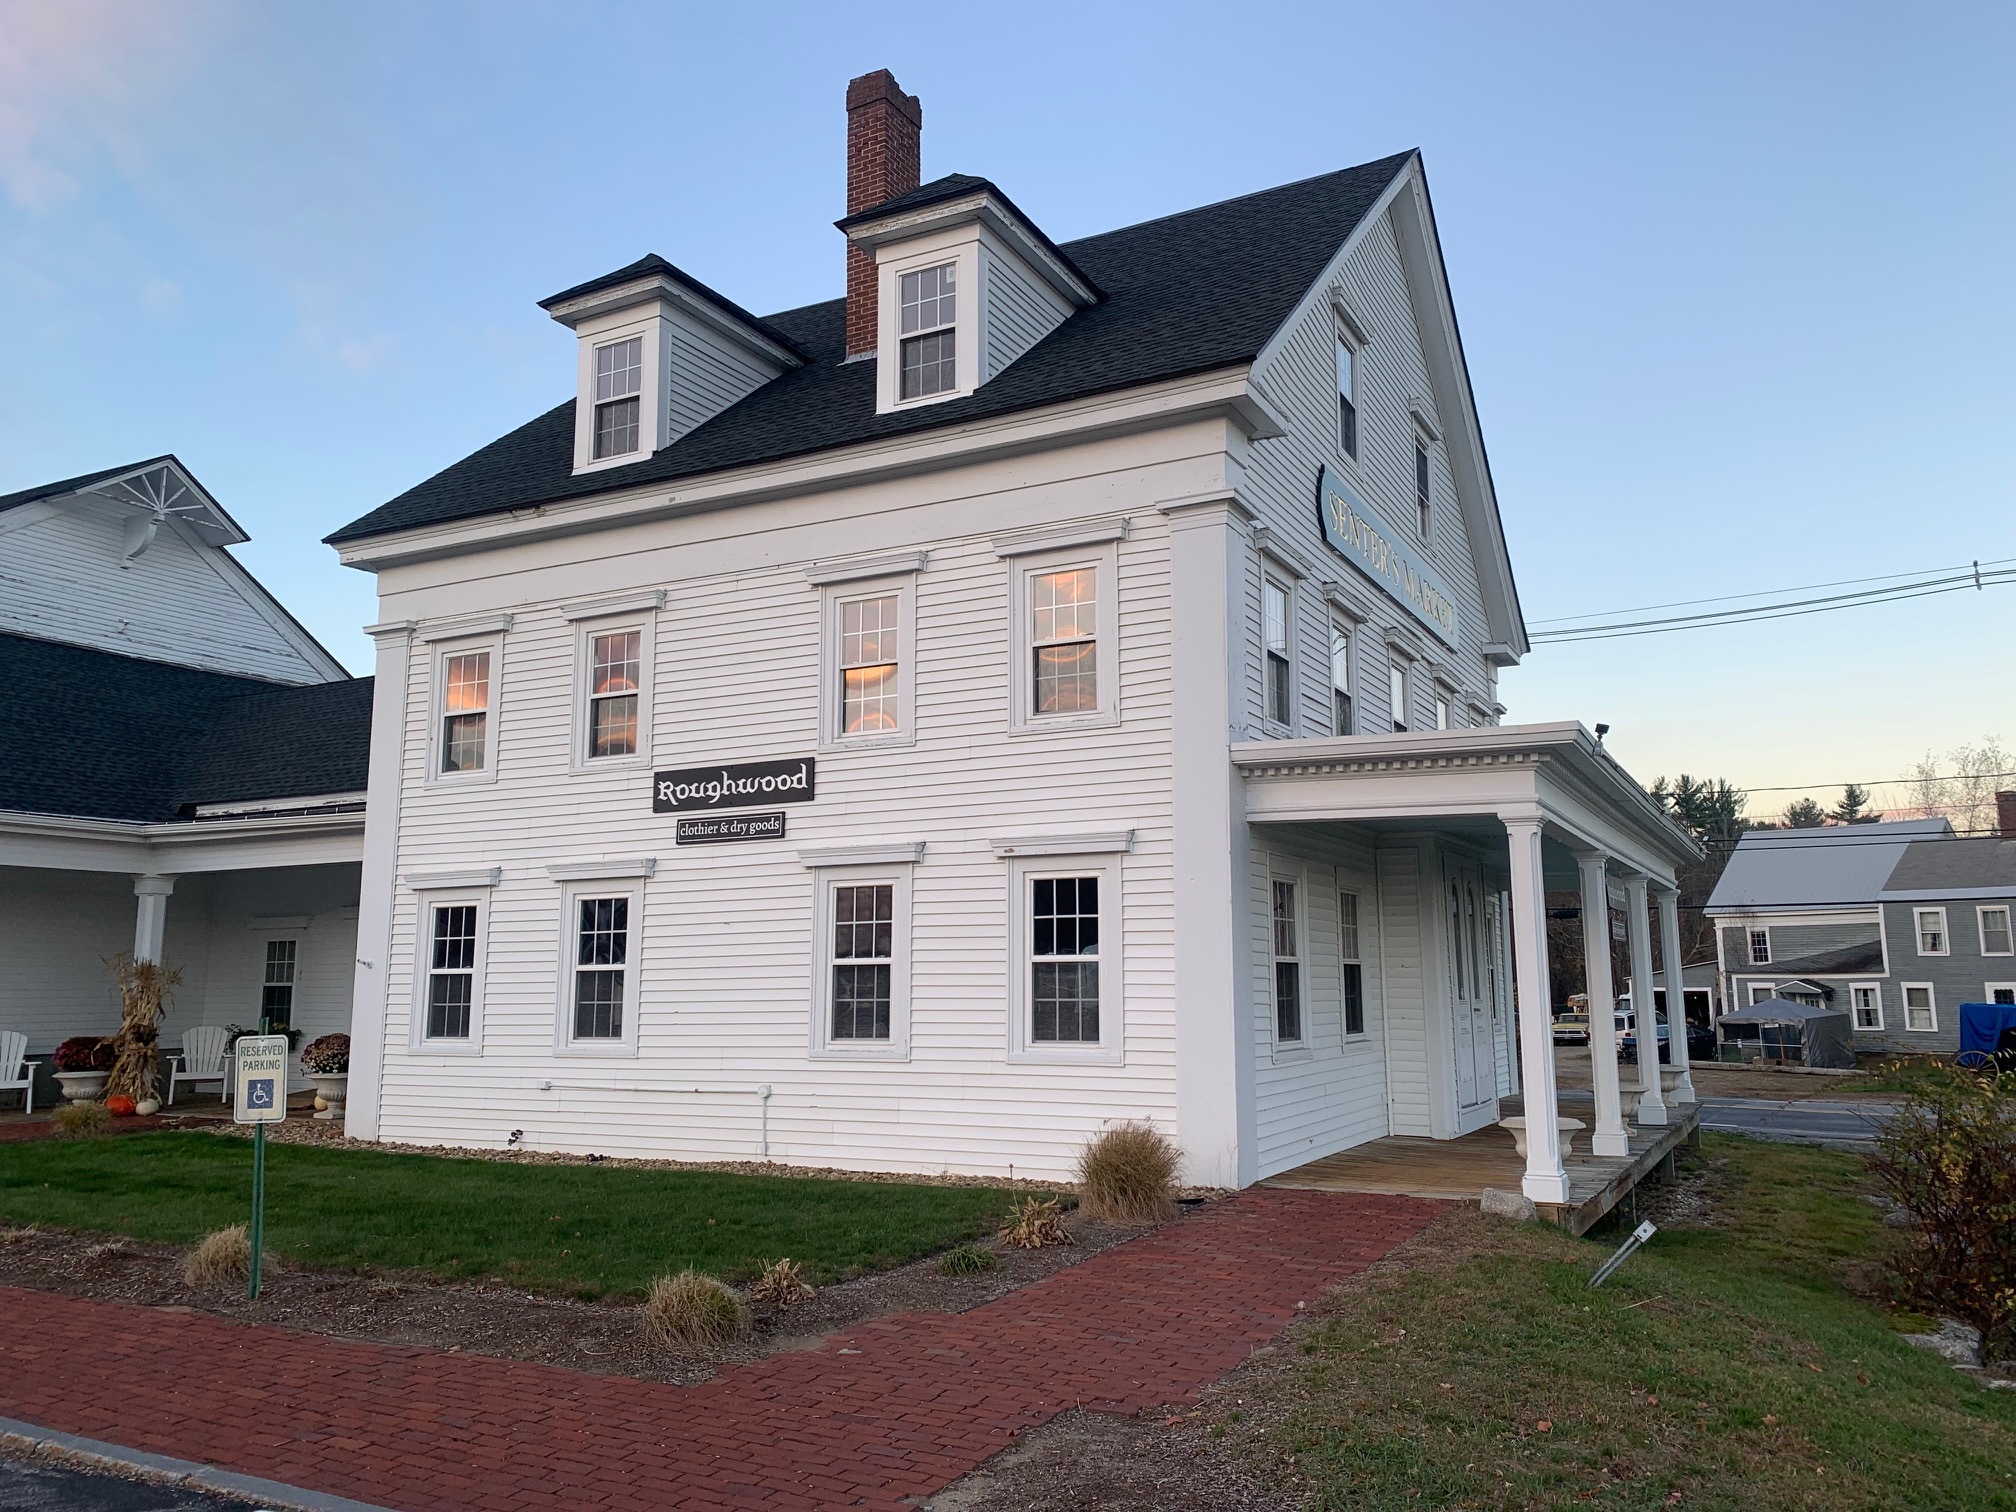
<point>1470,991</point>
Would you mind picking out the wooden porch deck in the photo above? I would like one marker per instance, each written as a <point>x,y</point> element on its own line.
<point>1460,1169</point>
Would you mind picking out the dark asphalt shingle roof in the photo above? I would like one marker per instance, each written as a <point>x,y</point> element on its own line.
<point>1185,294</point>
<point>652,264</point>
<point>94,734</point>
<point>1973,864</point>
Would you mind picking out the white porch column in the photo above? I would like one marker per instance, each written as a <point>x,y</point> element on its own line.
<point>1546,1179</point>
<point>1676,991</point>
<point>1638,925</point>
<point>150,915</point>
<point>1611,1137</point>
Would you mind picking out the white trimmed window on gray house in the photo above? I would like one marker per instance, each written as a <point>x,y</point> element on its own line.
<point>1760,947</point>
<point>1993,921</point>
<point>1350,952</point>
<point>1347,396</point>
<point>619,386</point>
<point>1285,919</point>
<point>929,323</point>
<point>1277,633</point>
<point>1921,1009</point>
<point>1866,1000</point>
<point>1930,924</point>
<point>1396,693</point>
<point>1341,721</point>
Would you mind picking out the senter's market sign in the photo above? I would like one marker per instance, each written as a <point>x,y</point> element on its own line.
<point>1367,543</point>
<point>700,790</point>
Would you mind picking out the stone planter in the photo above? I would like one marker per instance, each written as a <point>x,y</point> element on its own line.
<point>82,1086</point>
<point>1516,1127</point>
<point>329,1094</point>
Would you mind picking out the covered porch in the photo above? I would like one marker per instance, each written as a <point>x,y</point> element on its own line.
<point>1480,824</point>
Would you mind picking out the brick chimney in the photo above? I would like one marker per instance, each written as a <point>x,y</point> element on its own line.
<point>2005,815</point>
<point>884,126</point>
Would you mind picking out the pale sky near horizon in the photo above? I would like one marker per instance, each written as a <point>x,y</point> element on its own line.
<point>1734,282</point>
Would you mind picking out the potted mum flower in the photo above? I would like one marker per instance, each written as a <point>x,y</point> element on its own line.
<point>327,1064</point>
<point>82,1063</point>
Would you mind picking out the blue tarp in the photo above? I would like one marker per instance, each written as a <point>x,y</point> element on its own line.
<point>1981,1025</point>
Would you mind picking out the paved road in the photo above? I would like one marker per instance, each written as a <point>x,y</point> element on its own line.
<point>33,1486</point>
<point>1810,1120</point>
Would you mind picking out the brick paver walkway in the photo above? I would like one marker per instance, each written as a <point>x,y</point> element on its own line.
<point>881,1414</point>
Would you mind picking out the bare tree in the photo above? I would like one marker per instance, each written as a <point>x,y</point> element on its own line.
<point>1960,786</point>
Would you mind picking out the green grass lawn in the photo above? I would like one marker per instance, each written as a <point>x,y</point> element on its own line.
<point>590,1230</point>
<point>1726,1366</point>
<point>1904,1075</point>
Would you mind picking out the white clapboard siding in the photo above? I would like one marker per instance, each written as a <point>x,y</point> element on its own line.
<point>1408,1000</point>
<point>704,374</point>
<point>180,600</point>
<point>57,928</point>
<point>725,953</point>
<point>1017,311</point>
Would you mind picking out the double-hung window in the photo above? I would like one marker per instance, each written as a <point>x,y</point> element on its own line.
<point>1995,935</point>
<point>276,990</point>
<point>615,679</point>
<point>1396,694</point>
<point>451,970</point>
<point>1347,398</point>
<point>1286,930</point>
<point>1441,710</point>
<point>863,965</point>
<point>619,388</point>
<point>1932,939</point>
<point>1424,499</point>
<point>870,693</point>
<point>1349,949</point>
<point>465,711</point>
<point>1064,960</point>
<point>1921,1013</point>
<point>1064,641</point>
<point>1866,999</point>
<point>929,317</point>
<point>1340,679</point>
<point>599,979</point>
<point>1760,947</point>
<point>1278,617</point>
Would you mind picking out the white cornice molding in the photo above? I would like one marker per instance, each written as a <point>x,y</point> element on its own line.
<point>1096,843</point>
<point>594,871</point>
<point>988,211</point>
<point>457,626</point>
<point>385,628</point>
<point>1269,543</point>
<point>860,569</point>
<point>457,880</point>
<point>1063,537</point>
<point>641,600</point>
<point>656,288</point>
<point>863,853</point>
<point>1345,603</point>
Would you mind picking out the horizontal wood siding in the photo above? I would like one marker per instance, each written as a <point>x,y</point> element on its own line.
<point>703,376</point>
<point>1016,314</point>
<point>1406,996</point>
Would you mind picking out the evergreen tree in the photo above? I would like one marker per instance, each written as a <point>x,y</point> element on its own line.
<point>1804,814</point>
<point>1853,807</point>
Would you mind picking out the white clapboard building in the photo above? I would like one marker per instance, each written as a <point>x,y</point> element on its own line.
<point>1053,684</point>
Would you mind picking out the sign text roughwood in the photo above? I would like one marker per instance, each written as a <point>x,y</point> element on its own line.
<point>701,790</point>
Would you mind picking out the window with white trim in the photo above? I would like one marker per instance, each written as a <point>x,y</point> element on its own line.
<point>1347,397</point>
<point>870,645</point>
<point>1931,931</point>
<point>1340,678</point>
<point>276,988</point>
<point>1865,1000</point>
<point>1353,963</point>
<point>464,724</point>
<point>615,660</point>
<point>1277,629</point>
<point>1064,641</point>
<point>1995,934</point>
<point>1760,947</point>
<point>863,964</point>
<point>1441,710</point>
<point>450,954</point>
<point>1286,935</point>
<point>598,980</point>
<point>2001,992</point>
<point>1759,991</point>
<point>619,386</point>
<point>1396,694</point>
<point>1921,1012</point>
<point>1423,497</point>
<point>928,328</point>
<point>1065,950</point>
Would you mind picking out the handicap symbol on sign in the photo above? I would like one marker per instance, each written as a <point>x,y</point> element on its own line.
<point>259,1092</point>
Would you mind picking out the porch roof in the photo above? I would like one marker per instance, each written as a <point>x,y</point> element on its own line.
<point>1557,772</point>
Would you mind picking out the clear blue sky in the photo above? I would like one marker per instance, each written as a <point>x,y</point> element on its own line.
<point>1735,279</point>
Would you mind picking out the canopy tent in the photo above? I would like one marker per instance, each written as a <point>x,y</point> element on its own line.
<point>1803,1033</point>
<point>1983,1024</point>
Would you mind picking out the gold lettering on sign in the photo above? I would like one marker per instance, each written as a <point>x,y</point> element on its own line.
<point>1383,561</point>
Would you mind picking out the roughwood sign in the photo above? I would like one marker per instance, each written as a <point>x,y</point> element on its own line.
<point>702,790</point>
<point>1366,542</point>
<point>712,829</point>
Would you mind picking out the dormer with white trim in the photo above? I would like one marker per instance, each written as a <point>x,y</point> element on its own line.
<point>965,283</point>
<point>660,355</point>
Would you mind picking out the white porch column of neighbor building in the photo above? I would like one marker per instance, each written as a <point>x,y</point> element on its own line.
<point>150,915</point>
<point>1676,991</point>
<point>1644,1005</point>
<point>1546,1179</point>
<point>1611,1137</point>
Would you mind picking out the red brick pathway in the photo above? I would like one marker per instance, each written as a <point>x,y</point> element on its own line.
<point>882,1414</point>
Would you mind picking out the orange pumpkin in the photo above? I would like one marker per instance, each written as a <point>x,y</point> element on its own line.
<point>120,1106</point>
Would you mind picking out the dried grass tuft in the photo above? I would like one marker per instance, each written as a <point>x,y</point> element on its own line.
<point>18,1235</point>
<point>1036,1223</point>
<point>969,1260</point>
<point>691,1313</point>
<point>90,1120</point>
<point>1127,1175</point>
<point>782,1284</point>
<point>222,1259</point>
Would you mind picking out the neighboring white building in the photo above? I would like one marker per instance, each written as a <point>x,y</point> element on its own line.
<point>181,768</point>
<point>1051,685</point>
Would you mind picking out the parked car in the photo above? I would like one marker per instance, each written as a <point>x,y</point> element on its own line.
<point>1571,1028</point>
<point>1700,1045</point>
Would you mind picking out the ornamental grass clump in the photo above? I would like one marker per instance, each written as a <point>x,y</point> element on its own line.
<point>1948,1158</point>
<point>222,1259</point>
<point>691,1313</point>
<point>781,1284</point>
<point>82,1121</point>
<point>1127,1175</point>
<point>969,1260</point>
<point>1036,1223</point>
<point>145,988</point>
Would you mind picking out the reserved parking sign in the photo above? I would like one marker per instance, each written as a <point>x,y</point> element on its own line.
<point>262,1079</point>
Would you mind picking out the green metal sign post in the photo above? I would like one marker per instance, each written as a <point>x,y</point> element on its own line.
<point>261,1087</point>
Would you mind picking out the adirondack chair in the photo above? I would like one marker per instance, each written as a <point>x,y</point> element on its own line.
<point>201,1060</point>
<point>16,1073</point>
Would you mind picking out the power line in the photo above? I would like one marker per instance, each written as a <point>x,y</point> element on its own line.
<point>1730,598</point>
<point>1811,787</point>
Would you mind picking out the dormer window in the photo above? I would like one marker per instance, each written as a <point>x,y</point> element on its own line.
<point>619,387</point>
<point>930,313</point>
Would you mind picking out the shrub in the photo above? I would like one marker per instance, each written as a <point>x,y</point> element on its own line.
<point>781,1285</point>
<point>969,1260</point>
<point>327,1056</point>
<point>1949,1159</point>
<point>1036,1223</point>
<point>85,1052</point>
<point>82,1121</point>
<point>222,1259</point>
<point>690,1313</point>
<point>1127,1174</point>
